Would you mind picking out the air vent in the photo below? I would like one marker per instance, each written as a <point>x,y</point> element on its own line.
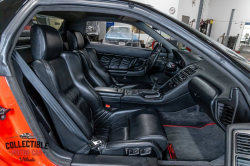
<point>243,144</point>
<point>242,161</point>
<point>226,113</point>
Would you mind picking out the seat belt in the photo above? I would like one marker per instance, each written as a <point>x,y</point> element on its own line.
<point>49,99</point>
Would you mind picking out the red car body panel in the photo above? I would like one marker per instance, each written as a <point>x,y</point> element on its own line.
<point>14,125</point>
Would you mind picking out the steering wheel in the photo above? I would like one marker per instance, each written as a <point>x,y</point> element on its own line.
<point>153,57</point>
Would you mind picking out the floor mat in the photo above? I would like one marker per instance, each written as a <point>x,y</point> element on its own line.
<point>197,144</point>
<point>191,116</point>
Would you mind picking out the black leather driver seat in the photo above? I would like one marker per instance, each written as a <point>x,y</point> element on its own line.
<point>94,71</point>
<point>62,73</point>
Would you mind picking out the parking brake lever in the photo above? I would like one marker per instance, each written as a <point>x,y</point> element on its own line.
<point>156,80</point>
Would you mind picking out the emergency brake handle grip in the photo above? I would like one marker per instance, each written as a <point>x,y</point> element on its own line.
<point>150,94</point>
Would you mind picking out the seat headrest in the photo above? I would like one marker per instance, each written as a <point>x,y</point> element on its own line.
<point>75,40</point>
<point>46,42</point>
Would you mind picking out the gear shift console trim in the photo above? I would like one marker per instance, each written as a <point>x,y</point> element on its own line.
<point>156,80</point>
<point>180,77</point>
<point>145,93</point>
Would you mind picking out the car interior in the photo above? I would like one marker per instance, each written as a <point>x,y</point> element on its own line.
<point>160,101</point>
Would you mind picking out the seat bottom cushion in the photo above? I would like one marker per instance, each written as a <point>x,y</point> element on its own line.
<point>143,124</point>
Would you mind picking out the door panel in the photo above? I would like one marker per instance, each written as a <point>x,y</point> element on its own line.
<point>121,50</point>
<point>116,62</point>
<point>120,57</point>
<point>122,60</point>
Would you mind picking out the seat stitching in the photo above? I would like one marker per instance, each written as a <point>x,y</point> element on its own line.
<point>49,74</point>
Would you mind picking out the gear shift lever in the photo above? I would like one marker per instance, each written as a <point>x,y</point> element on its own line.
<point>156,80</point>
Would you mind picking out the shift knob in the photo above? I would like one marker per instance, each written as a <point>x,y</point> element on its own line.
<point>156,80</point>
<point>171,66</point>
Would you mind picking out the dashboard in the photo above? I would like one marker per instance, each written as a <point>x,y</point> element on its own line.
<point>217,94</point>
<point>183,58</point>
<point>196,82</point>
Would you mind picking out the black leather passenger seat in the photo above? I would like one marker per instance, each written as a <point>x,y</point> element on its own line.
<point>95,72</point>
<point>120,131</point>
<point>34,100</point>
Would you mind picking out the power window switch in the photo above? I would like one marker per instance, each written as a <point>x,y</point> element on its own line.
<point>145,151</point>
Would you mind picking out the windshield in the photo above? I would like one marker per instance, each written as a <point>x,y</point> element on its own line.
<point>171,40</point>
<point>245,62</point>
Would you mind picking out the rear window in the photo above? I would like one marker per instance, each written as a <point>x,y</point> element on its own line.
<point>54,22</point>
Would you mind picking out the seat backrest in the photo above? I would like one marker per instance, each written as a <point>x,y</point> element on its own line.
<point>34,100</point>
<point>52,70</point>
<point>96,74</point>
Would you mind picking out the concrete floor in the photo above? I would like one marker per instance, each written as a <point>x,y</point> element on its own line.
<point>246,55</point>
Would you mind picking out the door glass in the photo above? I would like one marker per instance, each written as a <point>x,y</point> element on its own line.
<point>115,33</point>
<point>245,41</point>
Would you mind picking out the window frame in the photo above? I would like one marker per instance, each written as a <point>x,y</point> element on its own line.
<point>127,46</point>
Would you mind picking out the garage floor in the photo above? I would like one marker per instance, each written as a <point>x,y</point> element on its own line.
<point>246,55</point>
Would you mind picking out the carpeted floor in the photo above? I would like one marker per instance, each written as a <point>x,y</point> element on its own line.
<point>191,116</point>
<point>193,144</point>
<point>194,135</point>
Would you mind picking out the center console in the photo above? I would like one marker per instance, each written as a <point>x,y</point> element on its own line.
<point>158,95</point>
<point>180,77</point>
<point>110,96</point>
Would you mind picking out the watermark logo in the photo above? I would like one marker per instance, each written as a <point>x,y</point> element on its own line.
<point>27,148</point>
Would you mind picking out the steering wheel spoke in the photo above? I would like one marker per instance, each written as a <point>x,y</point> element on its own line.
<point>153,57</point>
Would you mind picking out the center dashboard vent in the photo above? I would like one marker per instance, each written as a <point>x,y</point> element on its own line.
<point>226,113</point>
<point>243,144</point>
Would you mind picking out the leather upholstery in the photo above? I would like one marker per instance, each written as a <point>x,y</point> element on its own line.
<point>130,125</point>
<point>63,77</point>
<point>75,40</point>
<point>91,53</point>
<point>111,147</point>
<point>46,42</point>
<point>116,62</point>
<point>96,72</point>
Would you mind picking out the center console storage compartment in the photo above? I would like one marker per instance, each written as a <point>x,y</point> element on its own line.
<point>110,96</point>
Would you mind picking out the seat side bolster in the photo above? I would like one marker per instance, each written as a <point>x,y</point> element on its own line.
<point>97,66</point>
<point>117,115</point>
<point>90,73</point>
<point>119,147</point>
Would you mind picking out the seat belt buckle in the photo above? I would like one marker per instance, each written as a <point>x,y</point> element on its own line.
<point>96,143</point>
